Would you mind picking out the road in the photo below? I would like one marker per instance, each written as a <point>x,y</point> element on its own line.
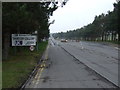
<point>77,65</point>
<point>101,58</point>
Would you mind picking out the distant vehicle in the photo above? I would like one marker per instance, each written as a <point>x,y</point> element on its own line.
<point>63,40</point>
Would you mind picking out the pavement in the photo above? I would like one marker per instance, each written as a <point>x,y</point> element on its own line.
<point>72,65</point>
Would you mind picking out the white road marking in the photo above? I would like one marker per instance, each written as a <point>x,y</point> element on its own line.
<point>81,45</point>
<point>117,48</point>
<point>51,42</point>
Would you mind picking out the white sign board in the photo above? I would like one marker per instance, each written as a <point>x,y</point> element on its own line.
<point>23,40</point>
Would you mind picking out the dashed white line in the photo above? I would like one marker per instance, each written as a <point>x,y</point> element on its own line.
<point>117,48</point>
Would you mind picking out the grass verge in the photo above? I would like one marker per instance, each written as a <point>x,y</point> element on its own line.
<point>17,68</point>
<point>107,42</point>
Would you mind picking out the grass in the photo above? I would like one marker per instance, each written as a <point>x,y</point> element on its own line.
<point>114,42</point>
<point>110,42</point>
<point>17,68</point>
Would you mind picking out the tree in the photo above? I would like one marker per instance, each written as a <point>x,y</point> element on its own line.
<point>103,26</point>
<point>24,17</point>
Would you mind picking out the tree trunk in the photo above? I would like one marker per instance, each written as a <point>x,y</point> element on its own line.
<point>115,37</point>
<point>102,36</point>
<point>6,45</point>
<point>18,49</point>
<point>105,37</point>
<point>112,36</point>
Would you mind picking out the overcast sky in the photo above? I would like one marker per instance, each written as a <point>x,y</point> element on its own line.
<point>78,13</point>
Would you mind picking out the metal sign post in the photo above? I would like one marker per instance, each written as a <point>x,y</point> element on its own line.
<point>37,43</point>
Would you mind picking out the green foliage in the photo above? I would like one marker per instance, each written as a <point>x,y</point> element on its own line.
<point>103,27</point>
<point>27,17</point>
<point>17,68</point>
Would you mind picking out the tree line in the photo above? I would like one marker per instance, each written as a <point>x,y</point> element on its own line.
<point>104,27</point>
<point>25,18</point>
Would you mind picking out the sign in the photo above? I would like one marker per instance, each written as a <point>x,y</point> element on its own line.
<point>32,48</point>
<point>23,40</point>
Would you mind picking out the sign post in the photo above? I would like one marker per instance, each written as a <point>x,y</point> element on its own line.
<point>36,33</point>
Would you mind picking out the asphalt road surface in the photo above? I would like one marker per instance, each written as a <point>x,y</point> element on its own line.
<point>101,58</point>
<point>77,65</point>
